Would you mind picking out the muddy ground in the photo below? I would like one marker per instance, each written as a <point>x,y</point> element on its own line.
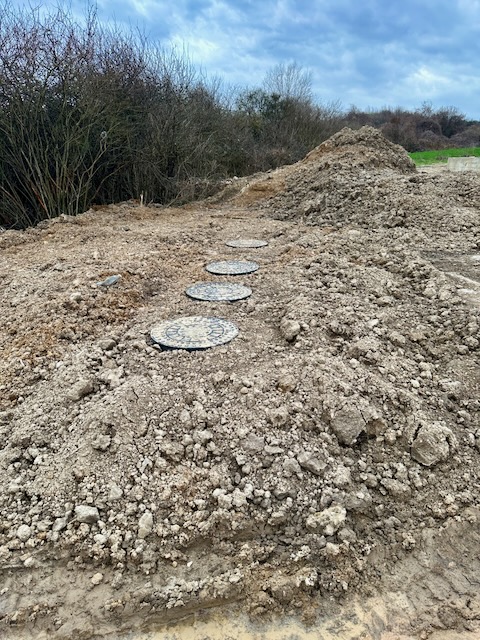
<point>322,468</point>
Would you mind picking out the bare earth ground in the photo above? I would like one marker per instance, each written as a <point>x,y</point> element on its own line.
<point>322,469</point>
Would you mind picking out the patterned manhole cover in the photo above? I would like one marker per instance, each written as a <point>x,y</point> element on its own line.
<point>194,332</point>
<point>232,267</point>
<point>246,243</point>
<point>218,291</point>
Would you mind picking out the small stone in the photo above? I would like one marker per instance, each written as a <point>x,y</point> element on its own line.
<point>361,500</point>
<point>218,377</point>
<point>291,467</point>
<point>97,578</point>
<point>87,514</point>
<point>347,535</point>
<point>347,424</point>
<point>202,436</point>
<point>289,329</point>
<point>75,296</point>
<point>111,280</point>
<point>107,344</point>
<point>272,450</point>
<point>342,476</point>
<point>327,521</point>
<point>224,500</point>
<point>253,443</point>
<point>115,492</point>
<point>432,444</point>
<point>286,383</point>
<point>279,417</point>
<point>59,524</point>
<point>24,532</point>
<point>390,437</point>
<point>376,426</point>
<point>284,490</point>
<point>396,488</point>
<point>172,450</point>
<point>367,349</point>
<point>101,442</point>
<point>145,525</point>
<point>238,498</point>
<point>430,290</point>
<point>81,389</point>
<point>185,417</point>
<point>283,589</point>
<point>332,549</point>
<point>277,518</point>
<point>309,462</point>
<point>397,339</point>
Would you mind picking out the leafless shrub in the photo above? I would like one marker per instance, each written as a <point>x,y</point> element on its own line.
<point>423,129</point>
<point>90,114</point>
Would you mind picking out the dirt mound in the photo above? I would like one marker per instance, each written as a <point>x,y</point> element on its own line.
<point>347,152</point>
<point>331,452</point>
<point>365,147</point>
<point>359,178</point>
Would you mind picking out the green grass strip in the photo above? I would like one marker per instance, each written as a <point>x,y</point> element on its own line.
<point>432,157</point>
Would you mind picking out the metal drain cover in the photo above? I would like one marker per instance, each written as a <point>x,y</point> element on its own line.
<point>246,243</point>
<point>194,332</point>
<point>232,267</point>
<point>221,291</point>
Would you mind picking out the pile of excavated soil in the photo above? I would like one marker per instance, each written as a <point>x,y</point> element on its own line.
<point>362,179</point>
<point>328,456</point>
<point>363,148</point>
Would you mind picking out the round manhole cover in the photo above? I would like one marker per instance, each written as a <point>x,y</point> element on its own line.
<point>221,291</point>
<point>194,332</point>
<point>246,243</point>
<point>232,267</point>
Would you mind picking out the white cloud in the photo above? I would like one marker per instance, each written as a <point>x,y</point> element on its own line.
<point>424,79</point>
<point>199,49</point>
<point>369,53</point>
<point>143,7</point>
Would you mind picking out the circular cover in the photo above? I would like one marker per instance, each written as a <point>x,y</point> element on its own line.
<point>218,291</point>
<point>194,332</point>
<point>246,243</point>
<point>232,267</point>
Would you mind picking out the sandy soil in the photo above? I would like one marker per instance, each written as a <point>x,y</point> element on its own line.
<point>317,475</point>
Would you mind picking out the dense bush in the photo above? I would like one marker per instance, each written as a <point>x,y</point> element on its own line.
<point>92,115</point>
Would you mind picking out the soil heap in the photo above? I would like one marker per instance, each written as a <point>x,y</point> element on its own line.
<point>360,178</point>
<point>331,451</point>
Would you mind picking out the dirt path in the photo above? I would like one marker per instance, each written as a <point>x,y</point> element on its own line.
<point>322,468</point>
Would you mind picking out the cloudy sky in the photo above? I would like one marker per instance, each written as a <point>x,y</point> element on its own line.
<point>369,53</point>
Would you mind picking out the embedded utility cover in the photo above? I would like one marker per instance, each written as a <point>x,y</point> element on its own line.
<point>246,243</point>
<point>232,267</point>
<point>218,291</point>
<point>194,332</point>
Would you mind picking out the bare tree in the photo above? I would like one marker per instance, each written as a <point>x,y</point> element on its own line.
<point>289,81</point>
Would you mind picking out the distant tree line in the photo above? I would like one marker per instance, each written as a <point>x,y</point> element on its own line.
<point>424,129</point>
<point>90,114</point>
